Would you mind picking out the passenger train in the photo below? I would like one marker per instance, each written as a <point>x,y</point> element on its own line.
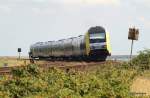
<point>94,45</point>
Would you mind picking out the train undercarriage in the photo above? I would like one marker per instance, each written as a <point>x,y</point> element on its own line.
<point>93,56</point>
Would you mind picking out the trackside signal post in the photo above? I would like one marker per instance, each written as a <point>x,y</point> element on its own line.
<point>19,51</point>
<point>133,35</point>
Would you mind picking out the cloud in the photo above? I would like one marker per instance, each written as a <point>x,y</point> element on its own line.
<point>92,2</point>
<point>145,21</point>
<point>39,0</point>
<point>142,1</point>
<point>51,6</point>
<point>36,10</point>
<point>5,8</point>
<point>42,11</point>
<point>145,3</point>
<point>141,18</point>
<point>87,2</point>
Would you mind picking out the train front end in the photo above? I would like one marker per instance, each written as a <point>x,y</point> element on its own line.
<point>98,43</point>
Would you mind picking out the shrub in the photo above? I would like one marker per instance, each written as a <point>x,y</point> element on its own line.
<point>142,60</point>
<point>107,81</point>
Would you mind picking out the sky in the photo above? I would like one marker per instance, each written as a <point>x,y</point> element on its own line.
<point>25,22</point>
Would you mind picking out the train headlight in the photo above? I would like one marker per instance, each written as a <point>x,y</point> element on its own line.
<point>104,46</point>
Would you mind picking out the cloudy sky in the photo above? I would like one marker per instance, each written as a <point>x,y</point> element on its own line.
<point>24,22</point>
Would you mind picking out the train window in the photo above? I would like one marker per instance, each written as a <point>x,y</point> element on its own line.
<point>97,40</point>
<point>97,35</point>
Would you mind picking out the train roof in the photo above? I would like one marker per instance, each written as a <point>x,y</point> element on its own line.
<point>96,29</point>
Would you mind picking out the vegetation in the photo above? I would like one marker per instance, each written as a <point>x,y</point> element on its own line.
<point>142,61</point>
<point>12,61</point>
<point>105,81</point>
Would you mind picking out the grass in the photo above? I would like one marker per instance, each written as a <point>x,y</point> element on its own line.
<point>12,61</point>
<point>141,85</point>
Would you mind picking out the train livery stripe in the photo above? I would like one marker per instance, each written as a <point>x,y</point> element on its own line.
<point>87,39</point>
<point>108,42</point>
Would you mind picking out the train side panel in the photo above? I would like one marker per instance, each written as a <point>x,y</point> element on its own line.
<point>68,48</point>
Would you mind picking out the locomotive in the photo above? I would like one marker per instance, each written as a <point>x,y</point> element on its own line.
<point>94,45</point>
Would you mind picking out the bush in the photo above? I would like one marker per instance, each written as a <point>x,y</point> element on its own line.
<point>142,60</point>
<point>107,81</point>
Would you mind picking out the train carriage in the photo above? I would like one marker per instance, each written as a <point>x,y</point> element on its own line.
<point>94,45</point>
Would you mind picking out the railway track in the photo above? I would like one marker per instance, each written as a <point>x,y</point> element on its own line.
<point>5,70</point>
<point>59,64</point>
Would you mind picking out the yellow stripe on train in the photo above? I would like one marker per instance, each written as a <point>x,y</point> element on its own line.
<point>108,42</point>
<point>87,39</point>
